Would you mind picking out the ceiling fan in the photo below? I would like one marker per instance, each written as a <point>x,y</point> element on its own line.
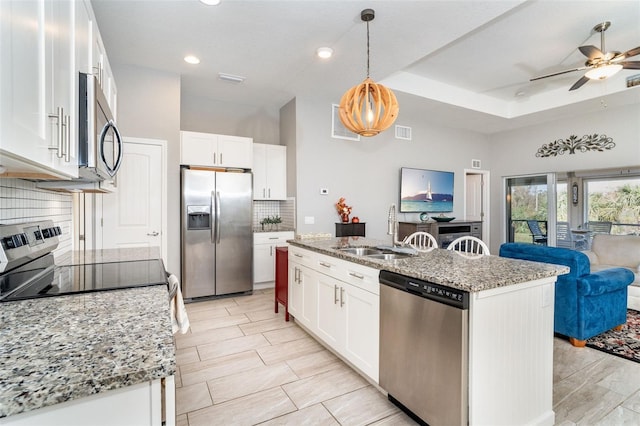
<point>601,65</point>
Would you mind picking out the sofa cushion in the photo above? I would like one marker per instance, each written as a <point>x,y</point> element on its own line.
<point>618,250</point>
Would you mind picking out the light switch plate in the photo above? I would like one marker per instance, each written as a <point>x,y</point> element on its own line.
<point>324,191</point>
<point>309,220</point>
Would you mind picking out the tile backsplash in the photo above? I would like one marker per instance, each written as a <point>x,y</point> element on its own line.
<point>285,209</point>
<point>21,201</point>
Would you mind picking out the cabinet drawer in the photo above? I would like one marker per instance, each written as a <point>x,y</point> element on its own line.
<point>279,238</point>
<point>302,257</point>
<point>362,277</point>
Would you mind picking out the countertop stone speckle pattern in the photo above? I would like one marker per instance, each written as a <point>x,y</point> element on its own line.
<point>57,349</point>
<point>441,266</point>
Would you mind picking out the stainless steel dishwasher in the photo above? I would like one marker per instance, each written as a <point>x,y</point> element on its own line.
<point>424,335</point>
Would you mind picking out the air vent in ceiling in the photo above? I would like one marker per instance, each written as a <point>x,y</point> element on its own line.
<point>475,164</point>
<point>403,132</point>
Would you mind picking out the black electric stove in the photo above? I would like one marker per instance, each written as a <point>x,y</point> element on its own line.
<point>37,275</point>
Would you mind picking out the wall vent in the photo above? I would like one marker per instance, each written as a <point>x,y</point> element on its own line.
<point>403,132</point>
<point>338,130</point>
<point>475,164</point>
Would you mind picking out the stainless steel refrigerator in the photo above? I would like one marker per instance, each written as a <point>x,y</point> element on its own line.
<point>216,234</point>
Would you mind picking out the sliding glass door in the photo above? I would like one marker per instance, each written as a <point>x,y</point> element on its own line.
<point>530,206</point>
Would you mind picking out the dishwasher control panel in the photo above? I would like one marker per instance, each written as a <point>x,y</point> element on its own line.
<point>447,295</point>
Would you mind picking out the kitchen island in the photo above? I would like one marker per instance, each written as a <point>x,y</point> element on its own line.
<point>105,357</point>
<point>509,348</point>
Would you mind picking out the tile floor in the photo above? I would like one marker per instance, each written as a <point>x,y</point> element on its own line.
<point>242,364</point>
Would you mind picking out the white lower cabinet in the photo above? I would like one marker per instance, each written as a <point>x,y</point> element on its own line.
<point>339,303</point>
<point>264,254</point>
<point>302,290</point>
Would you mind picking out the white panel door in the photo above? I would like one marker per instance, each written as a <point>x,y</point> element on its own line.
<point>132,216</point>
<point>473,202</point>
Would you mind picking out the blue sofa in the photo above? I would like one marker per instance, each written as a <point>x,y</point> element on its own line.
<point>586,304</point>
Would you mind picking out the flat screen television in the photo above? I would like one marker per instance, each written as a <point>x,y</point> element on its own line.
<point>428,191</point>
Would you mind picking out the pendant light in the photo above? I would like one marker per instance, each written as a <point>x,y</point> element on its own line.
<point>368,108</point>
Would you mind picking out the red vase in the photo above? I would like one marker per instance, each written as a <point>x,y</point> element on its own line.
<point>345,217</point>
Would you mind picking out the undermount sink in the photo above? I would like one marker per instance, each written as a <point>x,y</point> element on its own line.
<point>388,256</point>
<point>373,253</point>
<point>360,251</point>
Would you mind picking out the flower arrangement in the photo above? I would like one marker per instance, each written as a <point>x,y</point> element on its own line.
<point>271,222</point>
<point>343,210</point>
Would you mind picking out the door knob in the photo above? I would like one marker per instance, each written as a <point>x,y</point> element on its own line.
<point>153,234</point>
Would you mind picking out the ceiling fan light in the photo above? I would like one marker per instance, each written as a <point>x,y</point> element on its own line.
<point>603,72</point>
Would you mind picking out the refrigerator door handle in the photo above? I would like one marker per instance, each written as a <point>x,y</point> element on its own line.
<point>214,208</point>
<point>217,201</point>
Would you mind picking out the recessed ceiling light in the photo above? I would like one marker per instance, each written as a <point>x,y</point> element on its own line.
<point>324,52</point>
<point>210,2</point>
<point>231,78</point>
<point>190,59</point>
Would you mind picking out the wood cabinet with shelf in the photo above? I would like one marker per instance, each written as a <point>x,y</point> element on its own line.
<point>269,172</point>
<point>211,150</point>
<point>444,232</point>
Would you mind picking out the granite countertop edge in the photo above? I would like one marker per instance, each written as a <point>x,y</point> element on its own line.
<point>59,349</point>
<point>444,267</point>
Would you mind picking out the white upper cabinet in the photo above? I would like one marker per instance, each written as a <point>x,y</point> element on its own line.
<point>206,149</point>
<point>269,172</point>
<point>37,87</point>
<point>100,67</point>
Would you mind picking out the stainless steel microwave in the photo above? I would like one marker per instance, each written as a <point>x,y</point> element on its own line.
<point>99,141</point>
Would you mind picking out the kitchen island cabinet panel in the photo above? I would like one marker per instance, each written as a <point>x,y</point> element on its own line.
<point>340,306</point>
<point>125,406</point>
<point>510,321</point>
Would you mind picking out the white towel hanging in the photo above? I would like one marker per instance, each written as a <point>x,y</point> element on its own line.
<point>179,318</point>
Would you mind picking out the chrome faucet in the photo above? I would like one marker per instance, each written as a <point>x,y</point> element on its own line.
<point>392,226</point>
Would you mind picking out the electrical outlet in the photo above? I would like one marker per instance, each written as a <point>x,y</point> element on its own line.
<point>324,191</point>
<point>309,220</point>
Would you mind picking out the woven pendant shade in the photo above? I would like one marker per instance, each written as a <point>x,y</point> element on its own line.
<point>368,108</point>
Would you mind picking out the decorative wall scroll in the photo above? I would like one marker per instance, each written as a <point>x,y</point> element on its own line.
<point>572,144</point>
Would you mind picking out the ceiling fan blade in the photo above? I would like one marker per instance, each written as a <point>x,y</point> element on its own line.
<point>632,52</point>
<point>591,52</point>
<point>631,65</point>
<point>578,84</point>
<point>558,73</point>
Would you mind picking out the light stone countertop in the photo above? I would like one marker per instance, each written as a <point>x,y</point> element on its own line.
<point>441,266</point>
<point>57,349</point>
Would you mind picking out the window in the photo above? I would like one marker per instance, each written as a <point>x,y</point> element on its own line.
<point>615,200</point>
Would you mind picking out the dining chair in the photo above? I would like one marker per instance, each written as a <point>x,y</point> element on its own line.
<point>469,244</point>
<point>568,238</point>
<point>537,235</point>
<point>599,227</point>
<point>421,241</point>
